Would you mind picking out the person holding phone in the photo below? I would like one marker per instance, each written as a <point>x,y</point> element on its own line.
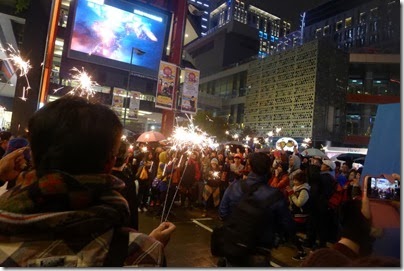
<point>355,246</point>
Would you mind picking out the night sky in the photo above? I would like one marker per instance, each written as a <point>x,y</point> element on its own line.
<point>287,9</point>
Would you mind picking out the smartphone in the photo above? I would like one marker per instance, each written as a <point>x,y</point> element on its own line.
<point>383,188</point>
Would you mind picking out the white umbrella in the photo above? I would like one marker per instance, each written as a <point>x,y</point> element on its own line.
<point>313,152</point>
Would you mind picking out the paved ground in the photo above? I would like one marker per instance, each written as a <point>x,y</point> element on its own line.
<point>190,243</point>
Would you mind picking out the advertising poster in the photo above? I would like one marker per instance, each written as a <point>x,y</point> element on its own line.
<point>189,99</point>
<point>118,100</point>
<point>134,104</point>
<point>166,85</point>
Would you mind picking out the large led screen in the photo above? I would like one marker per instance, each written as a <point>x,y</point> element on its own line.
<point>114,33</point>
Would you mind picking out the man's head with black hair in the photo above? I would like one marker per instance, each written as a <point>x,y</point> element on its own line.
<point>259,162</point>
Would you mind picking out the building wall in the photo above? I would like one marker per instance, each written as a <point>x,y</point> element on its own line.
<point>371,26</point>
<point>288,92</point>
<point>330,97</point>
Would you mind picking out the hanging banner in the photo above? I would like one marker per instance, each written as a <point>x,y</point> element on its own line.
<point>189,99</point>
<point>166,85</point>
<point>134,104</point>
<point>118,100</point>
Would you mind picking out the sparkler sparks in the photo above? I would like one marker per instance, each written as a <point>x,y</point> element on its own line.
<point>14,56</point>
<point>84,84</point>
<point>21,66</point>
<point>190,137</point>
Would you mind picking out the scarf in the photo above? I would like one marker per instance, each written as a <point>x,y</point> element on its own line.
<point>60,203</point>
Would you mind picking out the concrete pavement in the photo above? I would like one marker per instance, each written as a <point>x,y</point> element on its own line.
<point>190,243</point>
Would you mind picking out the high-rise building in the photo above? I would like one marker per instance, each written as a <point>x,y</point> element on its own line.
<point>357,25</point>
<point>201,8</point>
<point>371,77</point>
<point>301,91</point>
<point>270,27</point>
<point>237,31</point>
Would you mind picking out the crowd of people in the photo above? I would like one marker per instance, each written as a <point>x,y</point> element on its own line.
<point>79,176</point>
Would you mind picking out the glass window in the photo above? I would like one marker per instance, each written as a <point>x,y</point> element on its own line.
<point>374,13</point>
<point>380,87</point>
<point>326,30</point>
<point>348,22</point>
<point>360,118</point>
<point>355,86</point>
<point>338,26</point>
<point>362,17</point>
<point>318,33</point>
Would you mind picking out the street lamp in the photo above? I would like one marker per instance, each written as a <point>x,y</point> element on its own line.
<point>138,52</point>
<point>127,87</point>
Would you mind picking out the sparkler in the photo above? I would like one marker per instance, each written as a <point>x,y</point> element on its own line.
<point>85,86</point>
<point>164,170</point>
<point>187,138</point>
<point>190,137</point>
<point>215,174</point>
<point>20,64</point>
<point>179,163</point>
<point>306,142</point>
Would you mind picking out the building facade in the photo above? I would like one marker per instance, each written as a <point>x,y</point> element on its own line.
<point>302,91</point>
<point>357,25</point>
<point>270,27</point>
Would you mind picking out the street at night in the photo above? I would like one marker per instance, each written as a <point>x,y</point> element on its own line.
<point>275,126</point>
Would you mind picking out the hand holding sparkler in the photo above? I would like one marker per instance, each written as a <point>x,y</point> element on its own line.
<point>163,232</point>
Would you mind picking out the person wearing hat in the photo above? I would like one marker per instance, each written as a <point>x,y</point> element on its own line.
<point>236,168</point>
<point>212,185</point>
<point>328,166</point>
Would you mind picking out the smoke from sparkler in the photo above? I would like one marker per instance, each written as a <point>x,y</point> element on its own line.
<point>85,86</point>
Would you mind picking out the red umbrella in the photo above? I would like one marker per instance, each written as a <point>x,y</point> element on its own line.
<point>150,136</point>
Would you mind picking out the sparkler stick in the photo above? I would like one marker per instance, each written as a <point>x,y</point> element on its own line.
<point>164,170</point>
<point>179,163</point>
<point>151,166</point>
<point>168,188</point>
<point>187,138</point>
<point>176,191</point>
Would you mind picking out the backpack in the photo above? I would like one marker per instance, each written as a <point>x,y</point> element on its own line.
<point>242,232</point>
<point>337,196</point>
